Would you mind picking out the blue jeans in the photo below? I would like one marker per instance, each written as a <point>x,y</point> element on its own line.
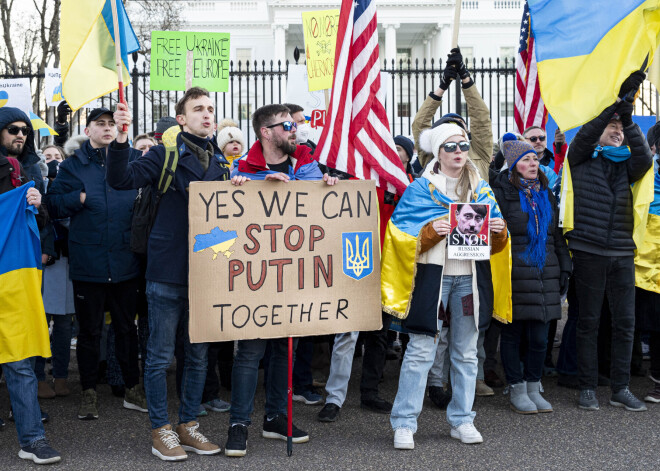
<point>420,353</point>
<point>60,345</point>
<point>340,367</point>
<point>246,372</point>
<point>168,303</point>
<point>22,386</point>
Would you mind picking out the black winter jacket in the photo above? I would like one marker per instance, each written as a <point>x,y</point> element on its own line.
<point>603,216</point>
<point>535,295</point>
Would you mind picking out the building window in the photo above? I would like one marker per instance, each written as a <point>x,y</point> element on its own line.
<point>403,55</point>
<point>507,55</point>
<point>506,109</point>
<point>468,54</point>
<point>403,110</point>
<point>243,55</point>
<point>245,111</point>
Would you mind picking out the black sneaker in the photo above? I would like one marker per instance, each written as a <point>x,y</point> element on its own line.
<point>277,428</point>
<point>626,399</point>
<point>236,440</point>
<point>329,413</point>
<point>40,452</point>
<point>376,404</point>
<point>588,400</point>
<point>439,396</point>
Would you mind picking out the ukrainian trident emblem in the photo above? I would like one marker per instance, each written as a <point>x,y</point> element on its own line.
<point>357,251</point>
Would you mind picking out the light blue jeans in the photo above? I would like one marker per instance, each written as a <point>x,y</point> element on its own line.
<point>439,372</point>
<point>340,367</point>
<point>420,354</point>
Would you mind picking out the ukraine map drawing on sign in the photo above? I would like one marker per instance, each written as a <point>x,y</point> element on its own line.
<point>217,240</point>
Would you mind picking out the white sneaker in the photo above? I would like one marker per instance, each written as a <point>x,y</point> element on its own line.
<point>467,433</point>
<point>403,439</point>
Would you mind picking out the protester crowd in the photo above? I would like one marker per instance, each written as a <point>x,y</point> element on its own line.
<point>120,289</point>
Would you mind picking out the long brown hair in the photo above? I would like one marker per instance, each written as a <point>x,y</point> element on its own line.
<point>515,178</point>
<point>463,189</point>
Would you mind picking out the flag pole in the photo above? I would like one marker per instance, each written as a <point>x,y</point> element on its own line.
<point>120,75</point>
<point>289,425</point>
<point>454,43</point>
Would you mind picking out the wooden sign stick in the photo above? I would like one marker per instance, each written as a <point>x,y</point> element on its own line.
<point>457,21</point>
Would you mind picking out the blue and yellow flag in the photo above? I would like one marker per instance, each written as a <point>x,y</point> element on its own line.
<point>23,327</point>
<point>647,259</point>
<point>420,204</point>
<point>87,49</point>
<point>40,124</point>
<point>586,49</point>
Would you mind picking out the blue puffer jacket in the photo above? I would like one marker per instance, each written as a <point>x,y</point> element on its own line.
<point>167,251</point>
<point>100,229</point>
<point>29,159</point>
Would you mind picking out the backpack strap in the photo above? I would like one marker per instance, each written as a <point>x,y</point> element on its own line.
<point>171,159</point>
<point>16,178</point>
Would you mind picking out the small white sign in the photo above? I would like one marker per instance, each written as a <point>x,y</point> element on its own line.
<point>469,238</point>
<point>16,93</point>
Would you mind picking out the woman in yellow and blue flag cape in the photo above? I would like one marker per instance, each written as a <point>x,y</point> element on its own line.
<point>424,288</point>
<point>647,281</point>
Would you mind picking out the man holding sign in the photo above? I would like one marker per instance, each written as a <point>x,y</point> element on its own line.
<point>199,159</point>
<point>274,157</point>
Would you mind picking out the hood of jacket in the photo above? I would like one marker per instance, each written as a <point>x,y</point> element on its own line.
<point>73,144</point>
<point>10,115</point>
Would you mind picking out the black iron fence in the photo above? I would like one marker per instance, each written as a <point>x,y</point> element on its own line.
<point>254,84</point>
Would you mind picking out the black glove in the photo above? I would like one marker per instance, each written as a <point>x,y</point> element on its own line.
<point>563,282</point>
<point>448,74</point>
<point>625,109</point>
<point>455,59</point>
<point>632,83</point>
<point>63,110</point>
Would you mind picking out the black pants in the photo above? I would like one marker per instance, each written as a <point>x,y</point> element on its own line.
<point>302,368</point>
<point>373,363</point>
<point>220,355</point>
<point>90,303</point>
<point>594,276</point>
<point>654,351</point>
<point>491,341</point>
<point>535,334</point>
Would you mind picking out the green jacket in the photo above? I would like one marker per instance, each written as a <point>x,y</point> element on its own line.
<point>481,145</point>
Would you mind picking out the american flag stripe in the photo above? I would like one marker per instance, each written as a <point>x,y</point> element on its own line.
<point>356,138</point>
<point>529,107</point>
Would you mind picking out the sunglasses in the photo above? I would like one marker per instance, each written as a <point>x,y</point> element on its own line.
<point>451,146</point>
<point>539,138</point>
<point>286,125</point>
<point>14,130</point>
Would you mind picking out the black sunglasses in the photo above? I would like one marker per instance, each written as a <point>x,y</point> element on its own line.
<point>286,125</point>
<point>14,130</point>
<point>539,138</point>
<point>451,146</point>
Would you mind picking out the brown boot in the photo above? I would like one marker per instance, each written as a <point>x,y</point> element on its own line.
<point>166,444</point>
<point>61,388</point>
<point>192,440</point>
<point>44,391</point>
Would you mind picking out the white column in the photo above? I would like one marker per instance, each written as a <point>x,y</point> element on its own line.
<point>427,50</point>
<point>279,49</point>
<point>390,42</point>
<point>436,49</point>
<point>445,40</point>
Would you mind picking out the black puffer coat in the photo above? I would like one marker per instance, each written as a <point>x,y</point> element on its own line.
<point>603,215</point>
<point>535,295</point>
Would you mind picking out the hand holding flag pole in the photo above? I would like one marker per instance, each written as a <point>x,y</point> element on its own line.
<point>120,77</point>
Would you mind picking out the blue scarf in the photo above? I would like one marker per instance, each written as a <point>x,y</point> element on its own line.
<point>615,154</point>
<point>535,203</point>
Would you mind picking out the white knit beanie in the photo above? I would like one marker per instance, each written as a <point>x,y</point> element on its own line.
<point>228,134</point>
<point>431,139</point>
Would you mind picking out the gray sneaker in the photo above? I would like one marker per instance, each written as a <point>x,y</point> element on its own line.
<point>625,398</point>
<point>88,409</point>
<point>588,400</point>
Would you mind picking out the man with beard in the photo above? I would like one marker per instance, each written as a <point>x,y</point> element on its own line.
<point>470,219</point>
<point>275,157</point>
<point>18,142</point>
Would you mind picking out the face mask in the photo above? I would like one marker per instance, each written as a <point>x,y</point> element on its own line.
<point>302,133</point>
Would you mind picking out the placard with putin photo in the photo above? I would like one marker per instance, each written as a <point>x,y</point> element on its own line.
<point>469,236</point>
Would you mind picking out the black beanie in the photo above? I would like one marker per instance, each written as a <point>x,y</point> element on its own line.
<point>407,144</point>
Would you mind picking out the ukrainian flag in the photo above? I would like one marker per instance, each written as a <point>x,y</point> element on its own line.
<point>647,259</point>
<point>586,49</point>
<point>23,328</point>
<point>87,49</point>
<point>420,204</point>
<point>40,124</point>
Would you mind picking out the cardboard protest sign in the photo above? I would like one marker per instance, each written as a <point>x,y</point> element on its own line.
<point>320,32</point>
<point>180,58</point>
<point>271,259</point>
<point>16,93</point>
<point>469,237</point>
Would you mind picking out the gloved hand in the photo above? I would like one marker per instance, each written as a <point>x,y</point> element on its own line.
<point>455,59</point>
<point>63,110</point>
<point>448,74</point>
<point>625,109</point>
<point>632,83</point>
<point>563,282</point>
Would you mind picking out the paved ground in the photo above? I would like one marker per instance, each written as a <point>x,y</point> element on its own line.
<point>568,439</point>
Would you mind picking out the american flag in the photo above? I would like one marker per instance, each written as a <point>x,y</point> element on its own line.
<point>530,109</point>
<point>356,138</point>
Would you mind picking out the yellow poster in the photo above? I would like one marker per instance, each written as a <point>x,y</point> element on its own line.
<point>320,31</point>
